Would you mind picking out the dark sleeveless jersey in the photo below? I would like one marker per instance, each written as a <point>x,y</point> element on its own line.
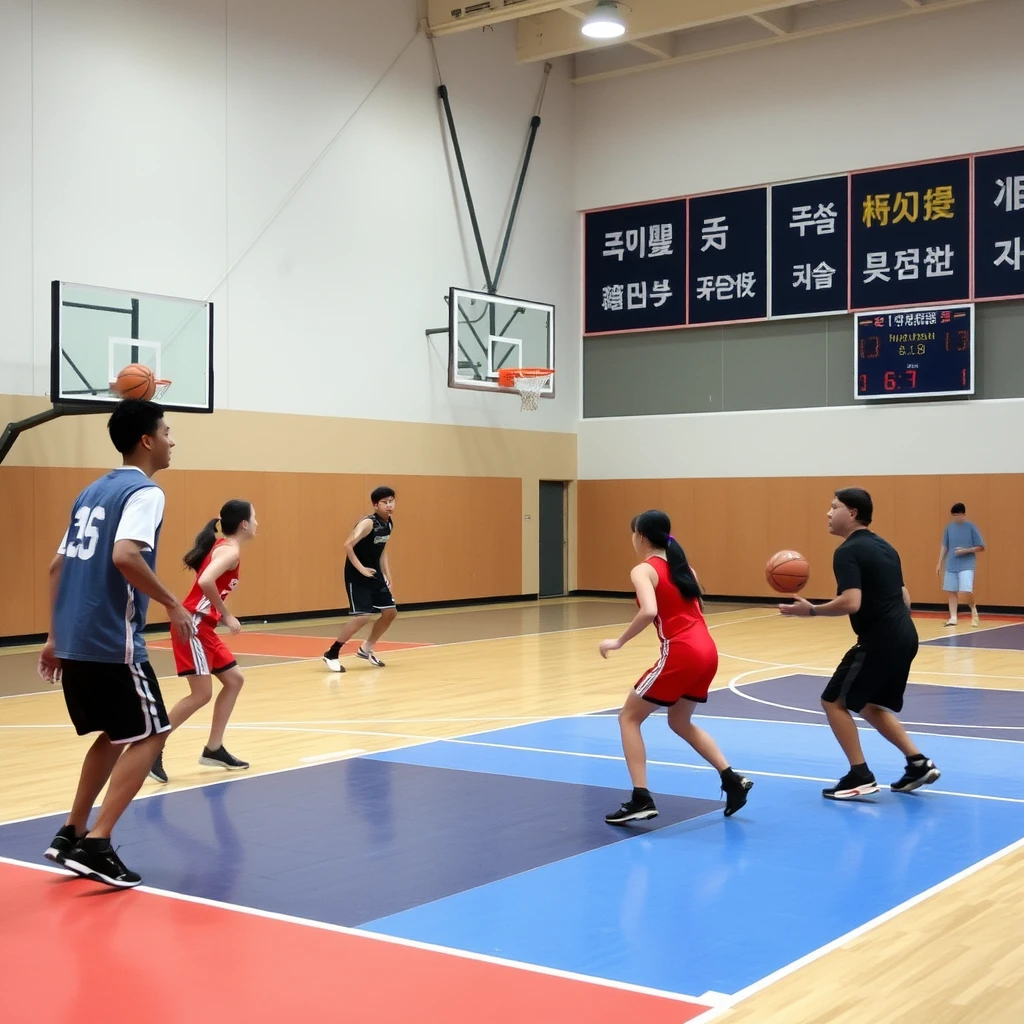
<point>370,548</point>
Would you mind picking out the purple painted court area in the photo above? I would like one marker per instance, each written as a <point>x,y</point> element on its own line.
<point>943,710</point>
<point>1001,638</point>
<point>356,840</point>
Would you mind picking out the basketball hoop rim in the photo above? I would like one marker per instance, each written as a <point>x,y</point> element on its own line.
<point>160,383</point>
<point>507,376</point>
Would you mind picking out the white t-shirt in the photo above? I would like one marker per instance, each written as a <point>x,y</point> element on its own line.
<point>143,512</point>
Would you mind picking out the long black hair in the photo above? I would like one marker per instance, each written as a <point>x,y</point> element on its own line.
<point>656,528</point>
<point>232,514</point>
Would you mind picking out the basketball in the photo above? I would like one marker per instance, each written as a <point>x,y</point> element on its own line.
<point>787,572</point>
<point>136,381</point>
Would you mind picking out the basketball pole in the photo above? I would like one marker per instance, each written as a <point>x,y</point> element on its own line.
<point>15,429</point>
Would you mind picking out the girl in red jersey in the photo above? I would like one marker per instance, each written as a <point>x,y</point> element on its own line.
<point>215,561</point>
<point>668,594</point>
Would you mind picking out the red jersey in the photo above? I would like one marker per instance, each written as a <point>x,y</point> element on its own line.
<point>197,602</point>
<point>679,618</point>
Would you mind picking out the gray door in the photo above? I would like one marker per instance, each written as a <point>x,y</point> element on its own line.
<point>552,538</point>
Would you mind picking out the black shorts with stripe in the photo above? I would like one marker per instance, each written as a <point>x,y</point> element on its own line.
<point>123,701</point>
<point>368,595</point>
<point>871,676</point>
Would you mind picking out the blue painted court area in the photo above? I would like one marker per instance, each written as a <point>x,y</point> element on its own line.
<point>999,638</point>
<point>495,843</point>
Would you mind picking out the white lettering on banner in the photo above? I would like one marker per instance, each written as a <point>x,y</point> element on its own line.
<point>820,277</point>
<point>1010,255</point>
<point>714,233</point>
<point>636,295</point>
<point>611,297</point>
<point>877,268</point>
<point>908,264</point>
<point>823,220</point>
<point>660,240</point>
<point>613,245</point>
<point>938,261</point>
<point>724,286</point>
<point>635,241</point>
<point>660,293</point>
<point>1011,193</point>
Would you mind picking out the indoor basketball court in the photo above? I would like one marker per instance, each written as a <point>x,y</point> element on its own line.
<point>471,254</point>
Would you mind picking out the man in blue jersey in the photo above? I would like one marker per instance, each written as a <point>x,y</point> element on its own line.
<point>961,543</point>
<point>101,580</point>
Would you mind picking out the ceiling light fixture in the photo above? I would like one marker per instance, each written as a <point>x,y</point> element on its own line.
<point>604,21</point>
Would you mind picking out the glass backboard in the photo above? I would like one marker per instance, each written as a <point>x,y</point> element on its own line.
<point>489,333</point>
<point>96,332</point>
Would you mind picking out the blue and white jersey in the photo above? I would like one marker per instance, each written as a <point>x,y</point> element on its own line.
<point>98,616</point>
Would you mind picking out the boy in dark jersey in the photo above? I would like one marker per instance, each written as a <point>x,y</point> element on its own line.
<point>367,580</point>
<point>872,677</point>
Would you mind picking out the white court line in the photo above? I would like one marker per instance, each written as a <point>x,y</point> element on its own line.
<point>843,940</point>
<point>734,688</point>
<point>362,933</point>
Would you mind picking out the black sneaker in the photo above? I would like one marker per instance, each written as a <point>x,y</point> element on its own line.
<point>98,860</point>
<point>735,790</point>
<point>916,775</point>
<point>220,758</point>
<point>632,810</point>
<point>370,657</point>
<point>157,773</point>
<point>61,844</point>
<point>851,786</point>
<point>333,661</point>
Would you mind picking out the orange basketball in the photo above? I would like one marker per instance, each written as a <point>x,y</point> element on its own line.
<point>787,572</point>
<point>136,381</point>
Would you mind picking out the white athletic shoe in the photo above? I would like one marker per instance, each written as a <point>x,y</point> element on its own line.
<point>334,664</point>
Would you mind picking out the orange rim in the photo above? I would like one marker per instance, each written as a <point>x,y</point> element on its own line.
<point>507,378</point>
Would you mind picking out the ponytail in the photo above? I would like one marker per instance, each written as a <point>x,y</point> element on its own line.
<point>205,539</point>
<point>656,528</point>
<point>232,514</point>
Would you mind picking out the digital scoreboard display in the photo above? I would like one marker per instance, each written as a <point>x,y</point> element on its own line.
<point>914,353</point>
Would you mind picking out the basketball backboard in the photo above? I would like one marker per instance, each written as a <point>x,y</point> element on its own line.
<point>96,332</point>
<point>489,333</point>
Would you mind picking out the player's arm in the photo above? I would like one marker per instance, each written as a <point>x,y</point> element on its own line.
<point>49,664</point>
<point>848,583</point>
<point>942,558</point>
<point>979,544</point>
<point>644,579</point>
<point>906,598</point>
<point>136,532</point>
<point>362,529</point>
<point>224,559</point>
<point>385,568</point>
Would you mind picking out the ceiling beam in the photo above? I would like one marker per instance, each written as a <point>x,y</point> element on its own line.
<point>445,17</point>
<point>663,47</point>
<point>552,34</point>
<point>852,23</point>
<point>779,22</point>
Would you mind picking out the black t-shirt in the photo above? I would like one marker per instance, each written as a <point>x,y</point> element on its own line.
<point>369,550</point>
<point>871,565</point>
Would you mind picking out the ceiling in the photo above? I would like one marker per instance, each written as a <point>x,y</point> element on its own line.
<point>662,33</point>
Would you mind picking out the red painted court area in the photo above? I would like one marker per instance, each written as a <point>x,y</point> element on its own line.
<point>79,950</point>
<point>287,645</point>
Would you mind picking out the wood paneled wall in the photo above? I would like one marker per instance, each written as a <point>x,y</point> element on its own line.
<point>455,537</point>
<point>730,527</point>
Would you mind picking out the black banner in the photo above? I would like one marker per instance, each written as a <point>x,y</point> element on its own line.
<point>810,247</point>
<point>999,225</point>
<point>635,268</point>
<point>728,246</point>
<point>910,235</point>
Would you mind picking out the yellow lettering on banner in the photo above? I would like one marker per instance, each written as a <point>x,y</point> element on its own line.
<point>938,203</point>
<point>876,208</point>
<point>906,206</point>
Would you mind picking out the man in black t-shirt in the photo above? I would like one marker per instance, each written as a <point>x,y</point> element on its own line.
<point>872,677</point>
<point>367,580</point>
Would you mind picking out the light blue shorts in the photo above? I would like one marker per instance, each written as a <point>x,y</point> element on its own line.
<point>959,582</point>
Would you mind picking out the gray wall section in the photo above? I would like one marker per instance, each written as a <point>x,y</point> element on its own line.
<point>779,364</point>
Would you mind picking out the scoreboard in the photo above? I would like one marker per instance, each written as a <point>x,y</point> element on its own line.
<point>925,352</point>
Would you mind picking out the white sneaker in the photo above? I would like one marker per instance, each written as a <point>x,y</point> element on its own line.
<point>951,622</point>
<point>334,664</point>
<point>974,619</point>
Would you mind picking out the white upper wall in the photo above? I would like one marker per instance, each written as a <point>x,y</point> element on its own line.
<point>232,149</point>
<point>929,86</point>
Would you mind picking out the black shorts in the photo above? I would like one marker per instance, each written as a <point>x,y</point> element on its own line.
<point>871,676</point>
<point>367,595</point>
<point>123,701</point>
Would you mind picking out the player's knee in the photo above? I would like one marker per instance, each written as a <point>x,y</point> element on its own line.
<point>202,691</point>
<point>389,614</point>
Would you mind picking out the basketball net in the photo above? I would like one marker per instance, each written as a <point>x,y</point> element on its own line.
<point>529,389</point>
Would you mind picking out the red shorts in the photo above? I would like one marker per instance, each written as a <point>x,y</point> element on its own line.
<point>685,669</point>
<point>205,654</point>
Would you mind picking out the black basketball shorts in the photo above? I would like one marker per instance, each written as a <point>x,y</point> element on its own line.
<point>871,676</point>
<point>123,701</point>
<point>367,595</point>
